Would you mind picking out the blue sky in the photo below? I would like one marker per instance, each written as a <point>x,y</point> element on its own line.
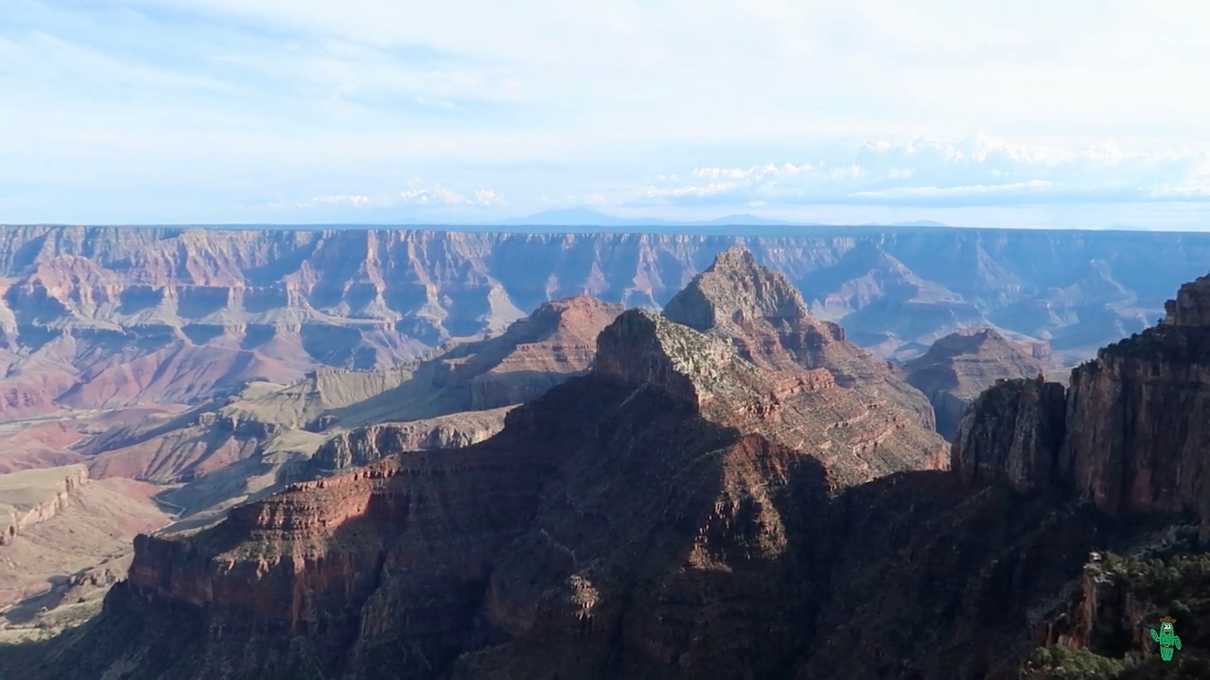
<point>1068,114</point>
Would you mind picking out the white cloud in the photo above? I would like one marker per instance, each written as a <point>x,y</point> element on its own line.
<point>690,190</point>
<point>980,169</point>
<point>223,103</point>
<point>487,197</point>
<point>955,191</point>
<point>438,195</point>
<point>417,195</point>
<point>352,200</point>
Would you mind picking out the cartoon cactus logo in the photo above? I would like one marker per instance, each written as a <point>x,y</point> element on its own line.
<point>1167,638</point>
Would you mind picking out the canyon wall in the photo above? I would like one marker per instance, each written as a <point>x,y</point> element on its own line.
<point>1131,433</point>
<point>109,316</point>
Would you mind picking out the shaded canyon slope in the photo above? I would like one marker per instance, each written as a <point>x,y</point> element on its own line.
<point>1068,524</point>
<point>662,515</point>
<point>101,317</point>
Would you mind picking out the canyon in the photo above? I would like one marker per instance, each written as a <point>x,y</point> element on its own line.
<point>200,462</point>
<point>730,486</point>
<point>680,457</point>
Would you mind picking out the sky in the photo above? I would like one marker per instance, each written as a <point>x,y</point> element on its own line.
<point>1026,114</point>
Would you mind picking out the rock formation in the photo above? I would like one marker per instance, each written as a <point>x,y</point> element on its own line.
<point>1012,434</point>
<point>1138,422</point>
<point>765,318</point>
<point>33,496</point>
<point>1009,553</point>
<point>959,366</point>
<point>1191,306</point>
<point>364,445</point>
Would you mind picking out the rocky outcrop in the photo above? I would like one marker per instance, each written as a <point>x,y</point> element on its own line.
<point>960,366</point>
<point>1191,306</point>
<point>644,348</point>
<point>1106,618</point>
<point>365,445</point>
<point>1101,615</point>
<point>1012,434</point>
<point>1139,423</point>
<point>766,318</point>
<point>30,497</point>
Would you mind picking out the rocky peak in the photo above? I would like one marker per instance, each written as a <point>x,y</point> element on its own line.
<point>1191,306</point>
<point>759,312</point>
<point>764,317</point>
<point>970,341</point>
<point>643,348</point>
<point>735,289</point>
<point>959,366</point>
<point>580,317</point>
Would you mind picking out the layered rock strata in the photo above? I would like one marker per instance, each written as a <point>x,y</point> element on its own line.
<point>33,496</point>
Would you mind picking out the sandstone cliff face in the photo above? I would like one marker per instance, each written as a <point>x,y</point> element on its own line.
<point>1139,422</point>
<point>1013,434</point>
<point>959,366</point>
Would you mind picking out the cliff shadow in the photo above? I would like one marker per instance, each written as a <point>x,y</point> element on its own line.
<point>938,578</point>
<point>664,541</point>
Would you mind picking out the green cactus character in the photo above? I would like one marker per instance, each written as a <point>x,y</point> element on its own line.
<point>1167,638</point>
